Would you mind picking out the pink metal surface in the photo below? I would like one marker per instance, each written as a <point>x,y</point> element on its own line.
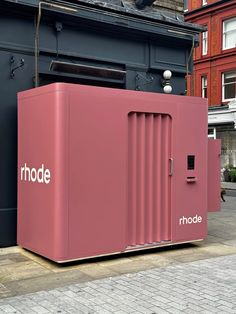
<point>149,141</point>
<point>214,189</point>
<point>112,170</point>
<point>43,208</point>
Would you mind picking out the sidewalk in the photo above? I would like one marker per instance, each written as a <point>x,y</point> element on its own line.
<point>228,185</point>
<point>207,286</point>
<point>178,279</point>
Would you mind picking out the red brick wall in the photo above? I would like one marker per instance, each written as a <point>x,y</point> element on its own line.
<point>217,60</point>
<point>214,100</point>
<point>195,4</point>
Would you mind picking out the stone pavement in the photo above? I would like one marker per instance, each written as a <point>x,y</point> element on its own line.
<point>229,185</point>
<point>206,286</point>
<point>190,278</point>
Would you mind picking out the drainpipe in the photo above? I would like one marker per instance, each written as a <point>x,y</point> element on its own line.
<point>36,39</point>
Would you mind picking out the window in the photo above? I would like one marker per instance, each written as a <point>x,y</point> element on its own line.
<point>185,5</point>
<point>204,43</point>
<point>204,2</point>
<point>204,87</point>
<point>212,133</point>
<point>228,86</point>
<point>229,33</point>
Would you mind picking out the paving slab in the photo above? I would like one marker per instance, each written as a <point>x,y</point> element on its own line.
<point>204,286</point>
<point>22,272</point>
<point>228,185</point>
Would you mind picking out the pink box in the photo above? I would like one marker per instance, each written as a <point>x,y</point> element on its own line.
<point>104,171</point>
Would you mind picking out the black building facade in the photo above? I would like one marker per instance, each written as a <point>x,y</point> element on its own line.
<point>83,42</point>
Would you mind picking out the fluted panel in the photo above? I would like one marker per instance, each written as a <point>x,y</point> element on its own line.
<point>149,214</point>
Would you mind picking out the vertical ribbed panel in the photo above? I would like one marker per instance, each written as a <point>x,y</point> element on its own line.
<point>149,138</point>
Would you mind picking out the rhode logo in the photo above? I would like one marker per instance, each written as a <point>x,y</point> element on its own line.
<point>190,220</point>
<point>41,175</point>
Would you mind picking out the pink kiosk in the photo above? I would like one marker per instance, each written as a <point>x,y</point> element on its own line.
<point>104,171</point>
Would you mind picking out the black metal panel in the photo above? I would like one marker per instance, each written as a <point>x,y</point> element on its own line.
<point>17,30</point>
<point>100,45</point>
<point>8,141</point>
<point>169,57</point>
<point>7,227</point>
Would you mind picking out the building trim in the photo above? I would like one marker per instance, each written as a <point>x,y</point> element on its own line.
<point>93,9</point>
<point>229,53</point>
<point>224,115</point>
<point>209,8</point>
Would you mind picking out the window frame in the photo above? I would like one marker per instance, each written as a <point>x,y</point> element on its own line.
<point>224,84</point>
<point>205,43</point>
<point>186,6</point>
<point>213,134</point>
<point>204,86</point>
<point>224,34</point>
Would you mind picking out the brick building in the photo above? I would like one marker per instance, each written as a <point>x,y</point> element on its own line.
<point>215,68</point>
